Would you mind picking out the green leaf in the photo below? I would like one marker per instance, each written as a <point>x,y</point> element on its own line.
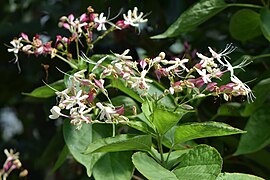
<point>237,176</point>
<point>78,140</point>
<point>245,25</point>
<point>119,84</point>
<point>196,130</point>
<point>165,120</point>
<point>193,17</point>
<point>265,24</point>
<point>141,126</point>
<point>261,91</point>
<point>46,91</point>
<point>114,166</point>
<point>127,102</point>
<point>202,162</point>
<point>175,157</point>
<point>258,134</point>
<point>150,168</point>
<point>61,159</point>
<point>122,142</point>
<point>229,109</point>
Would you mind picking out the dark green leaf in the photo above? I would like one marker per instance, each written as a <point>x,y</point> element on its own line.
<point>265,23</point>
<point>229,109</point>
<point>258,134</point>
<point>114,166</point>
<point>192,131</point>
<point>193,17</point>
<point>140,125</point>
<point>46,91</point>
<point>150,168</point>
<point>123,142</point>
<point>61,159</point>
<point>237,176</point>
<point>77,141</point>
<point>261,91</point>
<point>175,157</point>
<point>245,25</point>
<point>202,162</point>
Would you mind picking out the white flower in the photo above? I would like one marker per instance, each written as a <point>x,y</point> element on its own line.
<point>205,77</point>
<point>72,101</point>
<point>228,49</point>
<point>56,112</point>
<point>175,64</point>
<point>242,89</point>
<point>132,18</point>
<point>140,82</point>
<point>106,111</point>
<point>123,56</point>
<point>17,45</point>
<point>100,21</point>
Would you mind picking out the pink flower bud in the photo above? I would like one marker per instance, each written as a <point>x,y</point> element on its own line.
<point>24,36</point>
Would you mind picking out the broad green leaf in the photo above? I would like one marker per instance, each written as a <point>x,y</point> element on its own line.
<point>261,91</point>
<point>196,130</point>
<point>78,140</point>
<point>237,176</point>
<point>123,142</point>
<point>114,166</point>
<point>150,168</point>
<point>141,126</point>
<point>127,102</point>
<point>164,120</point>
<point>265,24</point>
<point>175,157</point>
<point>258,134</point>
<point>62,157</point>
<point>45,91</point>
<point>202,162</point>
<point>193,17</point>
<point>245,25</point>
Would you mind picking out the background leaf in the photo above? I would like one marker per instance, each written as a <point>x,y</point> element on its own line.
<point>194,16</point>
<point>45,91</point>
<point>78,140</point>
<point>265,23</point>
<point>261,91</point>
<point>114,166</point>
<point>258,134</point>
<point>192,131</point>
<point>202,162</point>
<point>150,168</point>
<point>237,176</point>
<point>245,25</point>
<point>123,142</point>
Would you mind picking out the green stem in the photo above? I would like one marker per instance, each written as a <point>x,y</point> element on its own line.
<point>169,153</point>
<point>77,49</point>
<point>159,139</point>
<point>244,5</point>
<point>71,64</point>
<point>261,56</point>
<point>103,35</point>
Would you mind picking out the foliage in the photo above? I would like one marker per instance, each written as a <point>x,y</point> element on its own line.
<point>152,117</point>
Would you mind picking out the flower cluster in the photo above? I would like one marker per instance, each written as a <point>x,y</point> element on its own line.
<point>186,83</point>
<point>12,162</point>
<point>83,26</point>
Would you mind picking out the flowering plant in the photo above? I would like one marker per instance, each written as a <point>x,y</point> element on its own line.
<point>100,126</point>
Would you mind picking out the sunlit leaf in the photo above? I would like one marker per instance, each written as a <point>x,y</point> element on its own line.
<point>114,166</point>
<point>150,168</point>
<point>202,162</point>
<point>122,142</point>
<point>237,176</point>
<point>196,130</point>
<point>193,17</point>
